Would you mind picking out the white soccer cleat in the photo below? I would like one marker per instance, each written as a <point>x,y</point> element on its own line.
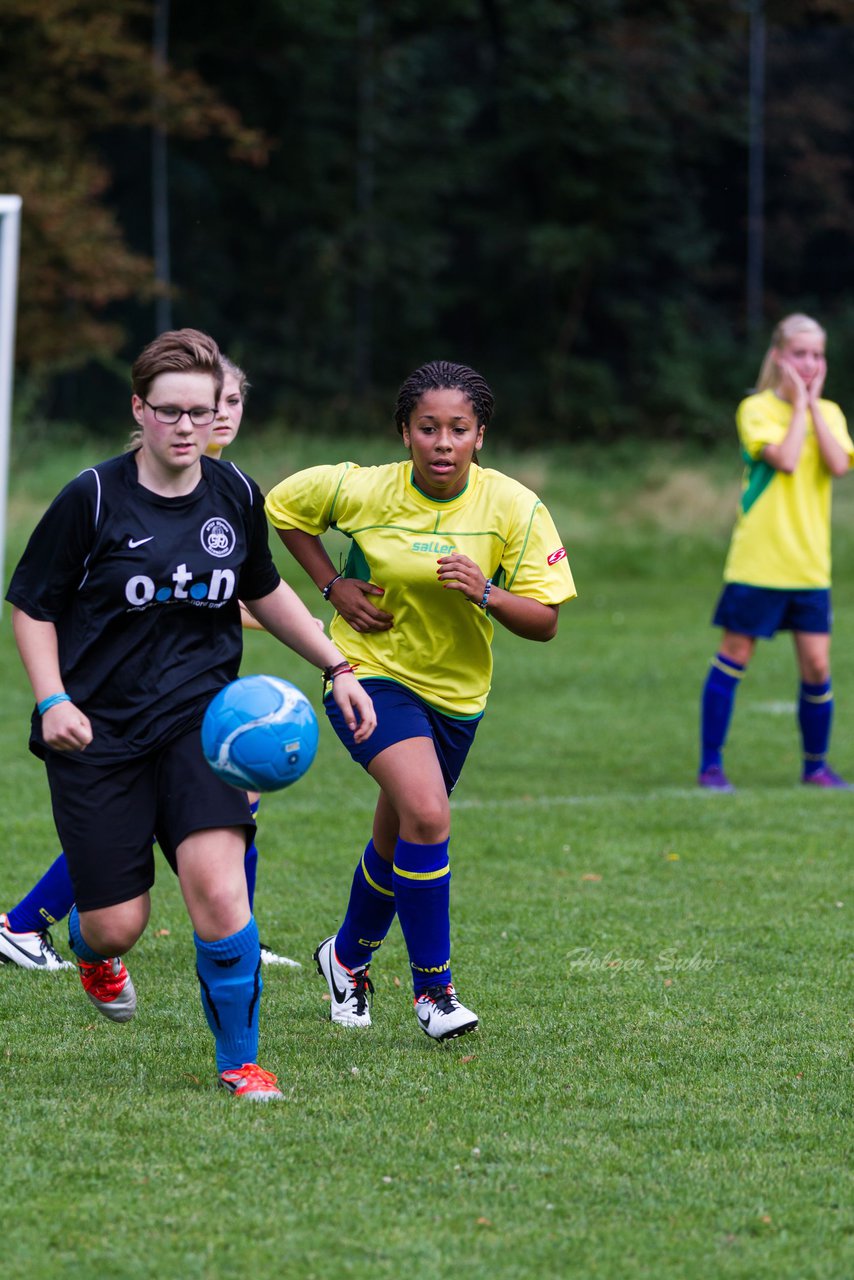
<point>30,950</point>
<point>348,988</point>
<point>440,1014</point>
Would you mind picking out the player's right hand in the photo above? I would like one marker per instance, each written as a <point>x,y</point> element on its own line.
<point>356,706</point>
<point>65,728</point>
<point>351,598</point>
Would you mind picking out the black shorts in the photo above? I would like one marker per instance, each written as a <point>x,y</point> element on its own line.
<point>107,816</point>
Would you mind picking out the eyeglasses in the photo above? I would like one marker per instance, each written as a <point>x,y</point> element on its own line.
<point>170,414</point>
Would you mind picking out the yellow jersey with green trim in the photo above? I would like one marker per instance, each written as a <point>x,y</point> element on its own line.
<point>440,643</point>
<point>782,535</point>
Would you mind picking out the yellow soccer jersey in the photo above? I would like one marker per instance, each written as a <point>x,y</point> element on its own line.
<point>782,535</point>
<point>440,644</point>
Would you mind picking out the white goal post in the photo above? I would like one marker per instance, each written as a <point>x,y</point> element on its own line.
<point>10,238</point>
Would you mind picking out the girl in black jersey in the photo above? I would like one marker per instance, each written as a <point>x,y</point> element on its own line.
<point>25,938</point>
<point>126,615</point>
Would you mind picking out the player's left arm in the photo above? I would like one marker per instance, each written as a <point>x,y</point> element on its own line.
<point>247,620</point>
<point>525,617</point>
<point>835,455</point>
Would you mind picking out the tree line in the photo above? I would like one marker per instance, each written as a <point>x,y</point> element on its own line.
<point>554,192</point>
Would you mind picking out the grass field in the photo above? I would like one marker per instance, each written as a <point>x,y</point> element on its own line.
<point>661,1085</point>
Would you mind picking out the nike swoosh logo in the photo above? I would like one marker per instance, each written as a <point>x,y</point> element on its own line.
<point>423,1016</point>
<point>41,959</point>
<point>340,995</point>
<point>137,542</point>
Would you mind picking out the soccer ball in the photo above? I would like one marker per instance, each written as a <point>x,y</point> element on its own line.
<point>260,733</point>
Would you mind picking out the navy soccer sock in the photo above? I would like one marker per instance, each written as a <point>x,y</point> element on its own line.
<point>716,707</point>
<point>77,942</point>
<point>422,891</point>
<point>370,910</point>
<point>815,717</point>
<point>250,865</point>
<point>49,901</point>
<point>229,972</point>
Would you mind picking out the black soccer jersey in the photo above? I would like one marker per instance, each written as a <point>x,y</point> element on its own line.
<point>144,594</point>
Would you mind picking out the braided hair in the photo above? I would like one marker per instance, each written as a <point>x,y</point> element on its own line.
<point>443,375</point>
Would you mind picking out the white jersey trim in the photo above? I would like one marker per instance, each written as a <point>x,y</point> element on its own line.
<point>92,471</point>
<point>245,481</point>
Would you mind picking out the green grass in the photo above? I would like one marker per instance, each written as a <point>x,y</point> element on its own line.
<point>661,1085</point>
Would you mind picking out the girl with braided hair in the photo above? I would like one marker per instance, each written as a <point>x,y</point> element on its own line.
<point>441,549</point>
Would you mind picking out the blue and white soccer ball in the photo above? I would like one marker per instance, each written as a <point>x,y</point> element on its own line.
<point>260,733</point>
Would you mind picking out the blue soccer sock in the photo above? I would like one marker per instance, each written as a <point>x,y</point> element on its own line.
<point>250,865</point>
<point>49,901</point>
<point>815,717</point>
<point>370,910</point>
<point>422,893</point>
<point>77,942</point>
<point>716,707</point>
<point>229,972</point>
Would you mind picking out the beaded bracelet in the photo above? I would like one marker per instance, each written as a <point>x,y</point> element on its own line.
<point>324,591</point>
<point>486,590</point>
<point>53,701</point>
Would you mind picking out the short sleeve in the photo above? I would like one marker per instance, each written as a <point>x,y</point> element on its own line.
<point>53,566</point>
<point>259,575</point>
<point>307,500</point>
<point>756,427</point>
<point>835,419</point>
<point>535,562</point>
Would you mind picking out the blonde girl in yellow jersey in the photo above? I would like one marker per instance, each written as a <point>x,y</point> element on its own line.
<point>777,573</point>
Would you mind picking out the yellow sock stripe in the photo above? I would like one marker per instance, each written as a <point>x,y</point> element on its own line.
<point>423,875</point>
<point>723,666</point>
<point>389,893</point>
<point>818,697</point>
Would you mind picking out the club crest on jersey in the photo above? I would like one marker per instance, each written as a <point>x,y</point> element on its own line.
<point>555,556</point>
<point>218,537</point>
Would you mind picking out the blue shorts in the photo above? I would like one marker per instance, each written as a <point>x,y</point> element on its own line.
<point>401,714</point>
<point>763,611</point>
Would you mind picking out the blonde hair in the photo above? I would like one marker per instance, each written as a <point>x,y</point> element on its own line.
<point>243,383</point>
<point>770,374</point>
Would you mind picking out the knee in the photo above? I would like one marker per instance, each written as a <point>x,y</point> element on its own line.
<point>815,672</point>
<point>428,823</point>
<point>112,937</point>
<point>738,648</point>
<point>220,908</point>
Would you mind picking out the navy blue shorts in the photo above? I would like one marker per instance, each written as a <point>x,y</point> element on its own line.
<point>763,611</point>
<point>107,815</point>
<point>401,714</point>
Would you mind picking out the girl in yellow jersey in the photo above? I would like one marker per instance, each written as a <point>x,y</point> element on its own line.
<point>777,573</point>
<point>440,550</point>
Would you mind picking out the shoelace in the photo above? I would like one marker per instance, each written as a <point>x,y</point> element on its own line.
<point>47,945</point>
<point>100,980</point>
<point>255,1075</point>
<point>443,998</point>
<point>361,986</point>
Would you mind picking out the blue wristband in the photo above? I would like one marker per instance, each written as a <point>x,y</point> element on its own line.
<point>486,590</point>
<point>52,701</point>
